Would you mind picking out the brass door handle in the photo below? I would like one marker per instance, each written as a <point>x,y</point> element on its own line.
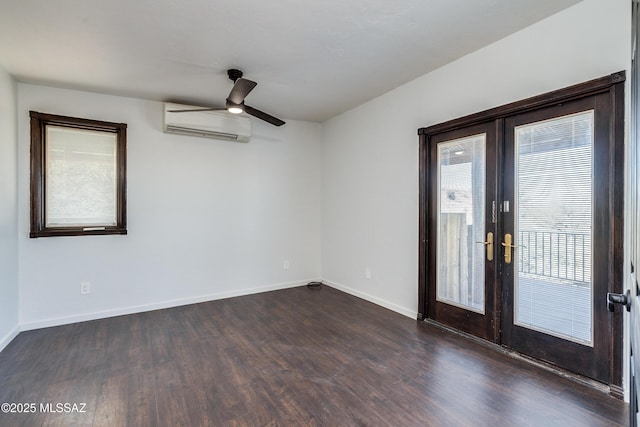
<point>489,245</point>
<point>508,245</point>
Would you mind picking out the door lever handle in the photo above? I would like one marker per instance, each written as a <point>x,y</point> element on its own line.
<point>507,248</point>
<point>624,299</point>
<point>489,245</point>
<point>508,245</point>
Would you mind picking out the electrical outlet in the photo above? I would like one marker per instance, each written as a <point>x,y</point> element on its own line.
<point>367,273</point>
<point>85,288</point>
<point>286,264</point>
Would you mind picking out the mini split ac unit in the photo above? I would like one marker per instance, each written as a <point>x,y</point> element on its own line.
<point>206,124</point>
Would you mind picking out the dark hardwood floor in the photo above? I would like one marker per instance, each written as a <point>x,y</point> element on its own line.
<point>293,357</point>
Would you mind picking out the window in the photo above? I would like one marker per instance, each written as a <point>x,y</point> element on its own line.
<point>78,176</point>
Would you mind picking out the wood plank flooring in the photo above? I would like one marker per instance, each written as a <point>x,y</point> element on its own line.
<point>299,357</point>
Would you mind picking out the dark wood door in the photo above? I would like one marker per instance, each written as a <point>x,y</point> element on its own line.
<point>463,221</point>
<point>556,242</point>
<point>551,193</point>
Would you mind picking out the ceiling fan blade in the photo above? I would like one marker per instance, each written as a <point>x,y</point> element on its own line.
<point>263,116</point>
<point>240,90</point>
<point>196,109</point>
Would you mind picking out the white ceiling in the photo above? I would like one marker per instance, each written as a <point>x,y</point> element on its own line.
<point>311,59</point>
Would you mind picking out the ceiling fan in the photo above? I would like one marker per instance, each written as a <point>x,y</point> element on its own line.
<point>235,101</point>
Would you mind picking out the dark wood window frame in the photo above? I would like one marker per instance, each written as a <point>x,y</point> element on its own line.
<point>612,84</point>
<point>39,124</point>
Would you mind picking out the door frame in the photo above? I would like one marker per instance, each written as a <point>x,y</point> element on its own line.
<point>612,84</point>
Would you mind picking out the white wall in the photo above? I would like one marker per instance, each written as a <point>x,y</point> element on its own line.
<point>206,218</point>
<point>370,154</point>
<point>8,210</point>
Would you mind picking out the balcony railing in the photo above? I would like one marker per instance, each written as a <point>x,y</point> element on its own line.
<point>565,256</point>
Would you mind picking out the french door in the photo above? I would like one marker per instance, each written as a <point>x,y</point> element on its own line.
<point>556,168</point>
<point>463,218</point>
<point>521,229</point>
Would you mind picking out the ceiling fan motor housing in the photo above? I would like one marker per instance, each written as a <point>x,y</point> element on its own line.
<point>234,74</point>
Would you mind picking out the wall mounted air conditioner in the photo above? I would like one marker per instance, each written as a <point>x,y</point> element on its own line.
<point>206,124</point>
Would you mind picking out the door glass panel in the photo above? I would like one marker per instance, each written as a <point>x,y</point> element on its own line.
<point>553,226</point>
<point>461,222</point>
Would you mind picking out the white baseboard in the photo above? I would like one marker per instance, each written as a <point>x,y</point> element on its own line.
<point>378,301</point>
<point>27,326</point>
<point>5,340</point>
